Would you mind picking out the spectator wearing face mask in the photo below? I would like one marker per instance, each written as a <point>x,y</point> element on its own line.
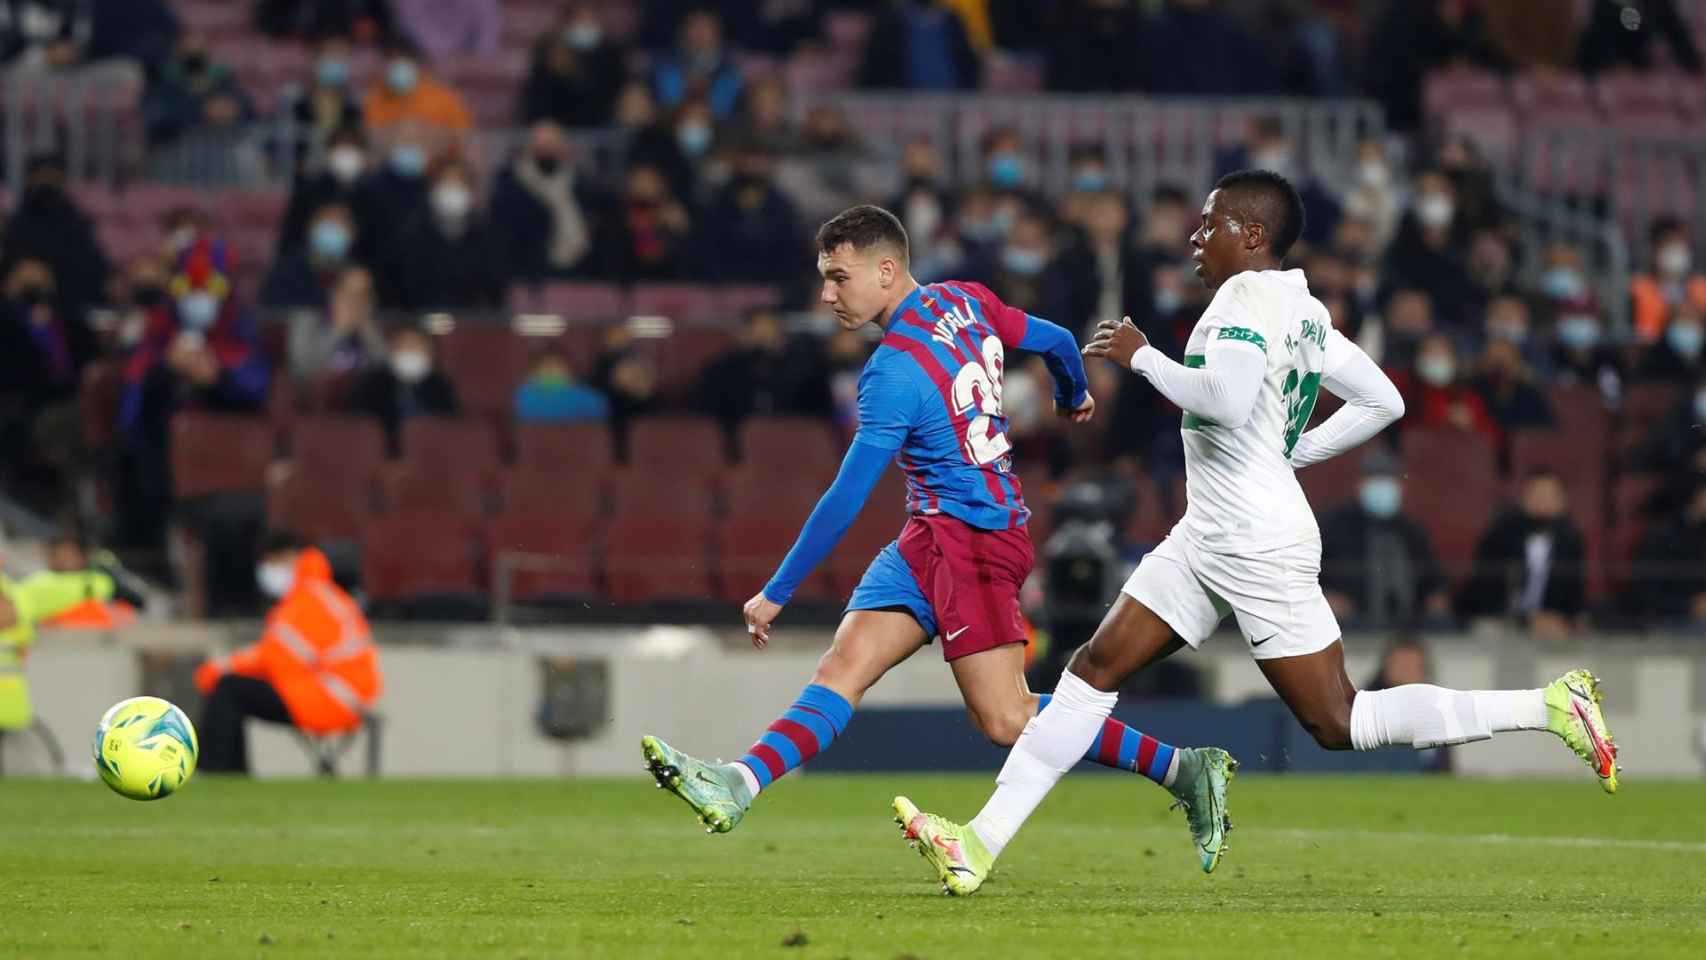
<point>342,178</point>
<point>1381,569</point>
<point>1677,357</point>
<point>199,351</point>
<point>194,95</point>
<point>1672,283</point>
<point>750,226</point>
<point>1268,146</point>
<point>397,191</point>
<point>1007,170</point>
<point>628,378</point>
<point>410,91</point>
<point>1563,284</point>
<point>698,67</point>
<point>344,337</point>
<point>1374,198</point>
<point>408,385</point>
<point>1581,357</point>
<point>651,229</point>
<point>1442,397</point>
<point>304,278</point>
<point>920,45</point>
<point>577,72</point>
<point>552,395</point>
<point>1509,389</point>
<point>549,218</point>
<point>46,224</point>
<point>1425,252</point>
<point>325,103</point>
<point>1025,272</point>
<point>926,207</point>
<point>1531,563</point>
<point>447,255</point>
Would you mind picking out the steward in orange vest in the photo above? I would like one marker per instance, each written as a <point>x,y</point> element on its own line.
<point>314,667</point>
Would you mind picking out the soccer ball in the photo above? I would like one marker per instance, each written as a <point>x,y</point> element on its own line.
<point>145,748</point>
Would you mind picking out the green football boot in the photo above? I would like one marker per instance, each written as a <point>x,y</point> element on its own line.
<point>715,791</point>
<point>1200,787</point>
<point>1572,712</point>
<point>953,851</point>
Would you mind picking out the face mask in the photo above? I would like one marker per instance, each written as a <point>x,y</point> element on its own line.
<point>1686,339</point>
<point>1578,332</point>
<point>1026,263</point>
<point>408,160</point>
<point>331,71</point>
<point>1090,180</point>
<point>1509,333</point>
<point>583,36</point>
<point>1674,260</point>
<point>1373,173</point>
<point>694,138</point>
<point>452,200</point>
<point>1006,170</point>
<point>1436,371</point>
<point>401,76</point>
<point>1380,496</point>
<point>1166,301</point>
<point>275,579</point>
<point>1562,283</point>
<point>345,164</point>
<point>411,366</point>
<point>1435,210</point>
<point>198,309</point>
<point>330,240</point>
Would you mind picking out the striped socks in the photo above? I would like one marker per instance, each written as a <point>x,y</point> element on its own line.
<point>806,729</point>
<point>1119,746</point>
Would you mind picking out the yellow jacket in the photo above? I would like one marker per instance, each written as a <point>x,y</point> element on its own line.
<point>33,599</point>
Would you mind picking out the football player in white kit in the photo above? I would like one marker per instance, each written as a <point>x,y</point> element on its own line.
<point>1248,544</point>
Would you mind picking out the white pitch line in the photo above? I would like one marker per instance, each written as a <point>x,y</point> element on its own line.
<point>1491,839</point>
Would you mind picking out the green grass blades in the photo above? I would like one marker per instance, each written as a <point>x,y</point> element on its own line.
<point>1417,867</point>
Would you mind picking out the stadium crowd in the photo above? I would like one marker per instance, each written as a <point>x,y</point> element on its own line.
<point>1517,376</point>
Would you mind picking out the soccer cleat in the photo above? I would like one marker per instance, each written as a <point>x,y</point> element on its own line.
<point>1200,788</point>
<point>956,853</point>
<point>715,791</point>
<point>1572,712</point>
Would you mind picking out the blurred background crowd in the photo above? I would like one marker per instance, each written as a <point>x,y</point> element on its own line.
<point>512,303</point>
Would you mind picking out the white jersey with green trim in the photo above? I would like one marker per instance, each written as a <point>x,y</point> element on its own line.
<point>1242,495</point>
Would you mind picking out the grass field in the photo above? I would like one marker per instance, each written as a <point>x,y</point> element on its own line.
<point>1417,867</point>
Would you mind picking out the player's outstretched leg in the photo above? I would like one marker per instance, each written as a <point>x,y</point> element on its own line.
<point>953,850</point>
<point>715,791</point>
<point>1572,712</point>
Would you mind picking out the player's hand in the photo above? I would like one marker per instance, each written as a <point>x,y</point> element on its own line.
<point>760,613</point>
<point>1079,414</point>
<point>1116,341</point>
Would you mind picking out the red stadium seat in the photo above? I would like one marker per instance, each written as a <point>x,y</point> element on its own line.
<point>1452,489</point>
<point>321,507</point>
<point>410,556</point>
<point>414,488</point>
<point>649,559</point>
<point>451,443</point>
<point>583,301</point>
<point>220,453</point>
<point>676,446</point>
<point>749,547</point>
<point>789,444</point>
<point>639,494</point>
<point>738,301</point>
<point>582,492</point>
<point>1445,91</point>
<point>564,446</point>
<point>1578,463</point>
<point>345,447</point>
<point>788,493</point>
<point>1332,482</point>
<point>486,364</point>
<point>678,301</point>
<point>685,355</point>
<point>871,531</point>
<point>547,556</point>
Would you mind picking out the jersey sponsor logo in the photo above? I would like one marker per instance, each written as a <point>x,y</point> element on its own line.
<point>1191,421</point>
<point>1245,334</point>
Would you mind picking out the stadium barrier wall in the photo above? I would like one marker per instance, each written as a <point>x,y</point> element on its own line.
<point>464,701</point>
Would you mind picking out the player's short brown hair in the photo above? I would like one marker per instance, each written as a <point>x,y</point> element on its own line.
<point>863,227</point>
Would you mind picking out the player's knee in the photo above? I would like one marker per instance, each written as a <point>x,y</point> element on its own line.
<point>1330,726</point>
<point>1001,727</point>
<point>1099,665</point>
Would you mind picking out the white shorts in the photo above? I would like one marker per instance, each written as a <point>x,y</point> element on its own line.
<point>1276,595</point>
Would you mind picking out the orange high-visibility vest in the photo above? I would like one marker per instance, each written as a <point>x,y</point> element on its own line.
<point>94,615</point>
<point>316,651</point>
<point>1652,313</point>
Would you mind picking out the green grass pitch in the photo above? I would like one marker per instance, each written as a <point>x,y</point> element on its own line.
<point>1413,867</point>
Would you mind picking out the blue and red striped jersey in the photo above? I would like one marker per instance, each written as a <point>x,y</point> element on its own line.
<point>932,394</point>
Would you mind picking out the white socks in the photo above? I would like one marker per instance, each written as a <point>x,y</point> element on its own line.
<point>1422,715</point>
<point>749,778</point>
<point>1053,742</point>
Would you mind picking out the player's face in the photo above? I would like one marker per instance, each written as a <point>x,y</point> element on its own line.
<point>855,284</point>
<point>1218,243</point>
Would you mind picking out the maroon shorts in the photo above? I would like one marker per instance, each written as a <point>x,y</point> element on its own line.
<point>971,578</point>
